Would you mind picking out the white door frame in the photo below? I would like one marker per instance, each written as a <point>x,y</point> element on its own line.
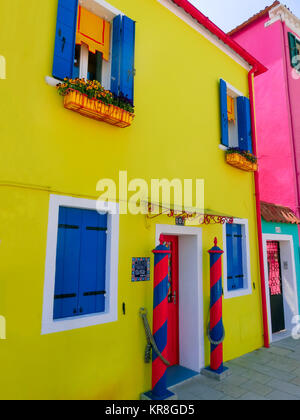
<point>289,280</point>
<point>191,321</point>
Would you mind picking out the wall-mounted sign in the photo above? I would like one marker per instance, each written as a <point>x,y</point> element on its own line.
<point>180,221</point>
<point>278,229</point>
<point>140,269</point>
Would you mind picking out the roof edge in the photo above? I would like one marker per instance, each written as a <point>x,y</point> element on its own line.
<point>258,67</point>
<point>274,213</point>
<point>254,18</point>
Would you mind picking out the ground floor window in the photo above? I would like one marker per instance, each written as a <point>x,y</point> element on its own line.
<point>237,277</point>
<point>81,264</point>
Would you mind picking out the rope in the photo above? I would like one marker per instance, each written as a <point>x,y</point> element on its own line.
<point>150,340</point>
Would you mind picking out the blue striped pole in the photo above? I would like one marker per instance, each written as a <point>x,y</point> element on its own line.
<point>160,320</point>
<point>216,321</point>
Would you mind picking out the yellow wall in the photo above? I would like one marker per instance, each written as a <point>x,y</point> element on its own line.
<point>177,134</point>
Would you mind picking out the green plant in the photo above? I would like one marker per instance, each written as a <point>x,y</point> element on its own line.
<point>247,155</point>
<point>94,90</point>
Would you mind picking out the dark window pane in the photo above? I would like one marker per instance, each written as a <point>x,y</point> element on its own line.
<point>76,62</point>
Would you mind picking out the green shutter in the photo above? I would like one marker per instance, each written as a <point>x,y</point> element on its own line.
<point>293,49</point>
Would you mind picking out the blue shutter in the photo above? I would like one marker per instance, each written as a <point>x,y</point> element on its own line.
<point>244,124</point>
<point>116,55</point>
<point>224,114</point>
<point>64,50</point>
<point>237,245</point>
<point>92,285</point>
<point>229,251</point>
<point>234,246</point>
<point>127,58</point>
<point>67,263</point>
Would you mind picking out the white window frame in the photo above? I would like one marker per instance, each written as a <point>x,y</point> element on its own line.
<point>247,289</point>
<point>49,325</point>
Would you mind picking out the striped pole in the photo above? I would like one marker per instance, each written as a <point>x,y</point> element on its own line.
<point>216,321</point>
<point>160,320</point>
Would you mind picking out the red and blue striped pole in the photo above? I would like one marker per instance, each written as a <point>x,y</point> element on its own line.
<point>160,321</point>
<point>216,328</point>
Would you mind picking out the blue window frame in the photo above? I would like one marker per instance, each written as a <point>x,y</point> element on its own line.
<point>80,279</point>
<point>235,265</point>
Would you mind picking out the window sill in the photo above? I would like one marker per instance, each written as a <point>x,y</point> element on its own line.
<point>237,293</point>
<point>238,161</point>
<point>68,324</point>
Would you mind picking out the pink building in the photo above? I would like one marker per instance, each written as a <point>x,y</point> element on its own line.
<point>273,37</point>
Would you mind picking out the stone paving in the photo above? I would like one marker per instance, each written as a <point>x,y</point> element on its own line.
<point>266,374</point>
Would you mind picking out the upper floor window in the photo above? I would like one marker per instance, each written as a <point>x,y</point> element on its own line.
<point>235,119</point>
<point>294,43</point>
<point>95,43</point>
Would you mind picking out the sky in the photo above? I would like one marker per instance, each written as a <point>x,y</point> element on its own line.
<point>228,14</point>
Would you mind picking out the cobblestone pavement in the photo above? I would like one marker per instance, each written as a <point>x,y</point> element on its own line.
<point>266,374</point>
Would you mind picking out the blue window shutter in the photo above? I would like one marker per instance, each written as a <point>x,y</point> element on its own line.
<point>127,58</point>
<point>237,241</point>
<point>244,124</point>
<point>224,114</point>
<point>64,50</point>
<point>67,263</point>
<point>92,283</point>
<point>116,55</point>
<point>229,251</point>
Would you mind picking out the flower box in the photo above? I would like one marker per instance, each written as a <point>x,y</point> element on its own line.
<point>240,162</point>
<point>94,108</point>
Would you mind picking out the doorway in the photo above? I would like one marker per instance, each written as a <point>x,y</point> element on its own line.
<point>281,284</point>
<point>185,300</point>
<point>171,242</point>
<point>275,286</point>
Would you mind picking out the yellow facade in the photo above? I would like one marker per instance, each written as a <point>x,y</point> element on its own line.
<point>47,149</point>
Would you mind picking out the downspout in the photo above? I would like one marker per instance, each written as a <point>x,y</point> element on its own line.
<point>258,213</point>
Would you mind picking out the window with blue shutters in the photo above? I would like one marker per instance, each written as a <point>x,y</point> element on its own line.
<point>74,61</point>
<point>234,246</point>
<point>81,270</point>
<point>236,259</point>
<point>80,278</point>
<point>236,131</point>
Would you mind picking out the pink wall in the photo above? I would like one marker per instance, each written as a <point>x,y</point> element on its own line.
<point>294,97</point>
<point>275,151</point>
